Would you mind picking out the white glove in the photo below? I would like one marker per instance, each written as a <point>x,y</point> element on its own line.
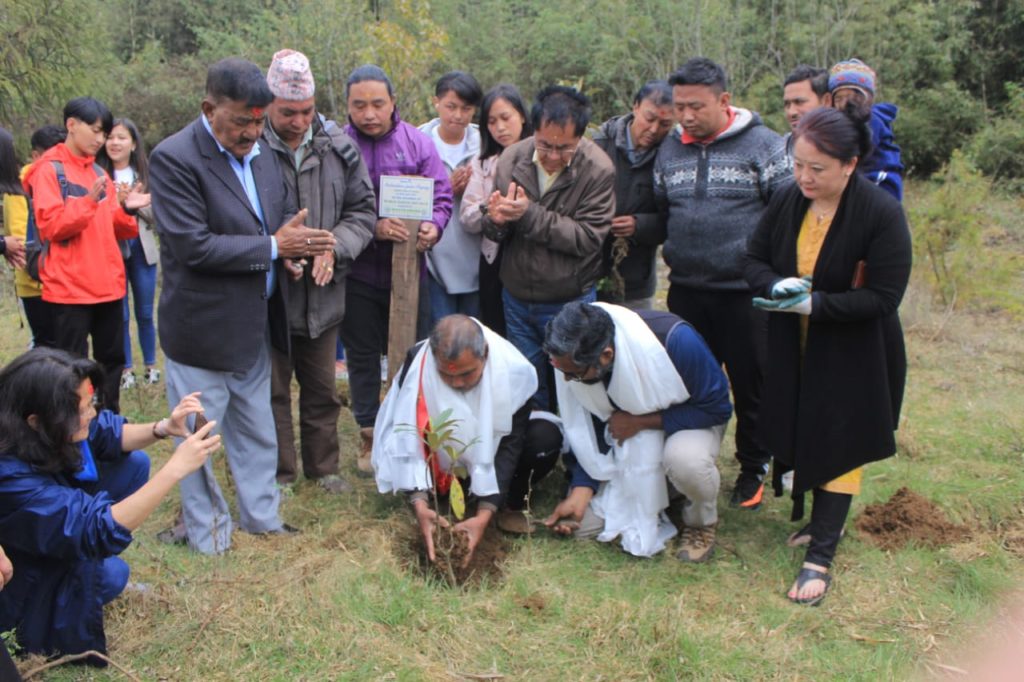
<point>791,286</point>
<point>800,304</point>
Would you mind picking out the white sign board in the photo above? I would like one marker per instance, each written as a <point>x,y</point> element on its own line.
<point>407,197</point>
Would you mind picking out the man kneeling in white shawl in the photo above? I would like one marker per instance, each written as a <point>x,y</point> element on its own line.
<point>488,385</point>
<point>640,396</point>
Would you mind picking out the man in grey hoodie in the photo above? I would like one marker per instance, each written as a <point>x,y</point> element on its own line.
<point>712,183</point>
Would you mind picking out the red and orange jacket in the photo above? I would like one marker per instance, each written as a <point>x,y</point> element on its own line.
<point>84,264</point>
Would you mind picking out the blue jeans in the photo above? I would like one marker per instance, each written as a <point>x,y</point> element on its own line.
<point>119,479</point>
<point>442,303</point>
<point>142,278</point>
<point>525,323</point>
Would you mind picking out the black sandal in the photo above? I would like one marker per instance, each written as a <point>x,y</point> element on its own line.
<point>803,577</point>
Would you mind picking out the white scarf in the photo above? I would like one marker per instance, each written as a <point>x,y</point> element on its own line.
<point>644,380</point>
<point>484,415</point>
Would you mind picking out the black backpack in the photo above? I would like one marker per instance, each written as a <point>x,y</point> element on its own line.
<point>36,249</point>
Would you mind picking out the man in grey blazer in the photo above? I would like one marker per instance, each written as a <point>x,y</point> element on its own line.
<point>227,222</point>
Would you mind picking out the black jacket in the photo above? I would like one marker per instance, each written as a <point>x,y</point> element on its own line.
<point>835,407</point>
<point>634,195</point>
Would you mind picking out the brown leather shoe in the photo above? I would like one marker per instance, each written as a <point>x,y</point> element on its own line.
<point>175,535</point>
<point>514,522</point>
<point>364,467</point>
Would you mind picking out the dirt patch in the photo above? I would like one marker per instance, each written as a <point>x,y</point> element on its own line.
<point>908,518</point>
<point>534,603</point>
<point>450,548</point>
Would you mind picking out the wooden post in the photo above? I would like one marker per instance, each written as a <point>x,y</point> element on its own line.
<point>405,294</point>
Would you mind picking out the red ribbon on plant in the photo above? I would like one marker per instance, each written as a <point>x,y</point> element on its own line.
<point>442,479</point>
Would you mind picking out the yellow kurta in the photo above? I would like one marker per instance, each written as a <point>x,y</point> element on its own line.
<point>808,246</point>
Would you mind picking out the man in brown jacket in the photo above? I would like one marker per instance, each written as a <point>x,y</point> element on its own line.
<point>324,169</point>
<point>551,209</point>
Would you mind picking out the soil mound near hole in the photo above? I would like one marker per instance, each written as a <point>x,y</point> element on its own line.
<point>450,548</point>
<point>908,518</point>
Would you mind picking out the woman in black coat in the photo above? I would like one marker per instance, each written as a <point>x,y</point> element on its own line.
<point>835,250</point>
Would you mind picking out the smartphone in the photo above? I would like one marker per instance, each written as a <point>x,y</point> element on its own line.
<point>201,421</point>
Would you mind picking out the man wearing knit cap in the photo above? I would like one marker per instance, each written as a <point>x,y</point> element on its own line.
<point>852,84</point>
<point>323,167</point>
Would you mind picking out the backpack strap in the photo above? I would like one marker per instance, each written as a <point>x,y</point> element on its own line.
<point>62,179</point>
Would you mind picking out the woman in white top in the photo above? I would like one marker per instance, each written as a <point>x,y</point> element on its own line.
<point>503,122</point>
<point>124,158</point>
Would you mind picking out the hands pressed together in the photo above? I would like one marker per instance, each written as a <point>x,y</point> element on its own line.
<point>507,208</point>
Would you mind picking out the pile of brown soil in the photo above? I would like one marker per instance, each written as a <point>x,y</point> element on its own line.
<point>450,549</point>
<point>908,517</point>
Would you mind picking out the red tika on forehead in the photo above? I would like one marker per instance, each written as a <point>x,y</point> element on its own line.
<point>257,112</point>
<point>89,387</point>
<point>451,366</point>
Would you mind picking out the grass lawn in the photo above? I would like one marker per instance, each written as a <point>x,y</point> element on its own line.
<point>339,601</point>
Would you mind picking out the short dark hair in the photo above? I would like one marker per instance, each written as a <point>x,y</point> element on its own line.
<point>560,104</point>
<point>238,80</point>
<point>842,135</point>
<point>701,71</point>
<point>454,334</point>
<point>462,84</point>
<point>138,160</point>
<point>89,111</point>
<point>369,72</point>
<point>581,331</point>
<point>44,382</point>
<point>805,72</point>
<point>488,145</point>
<point>658,92</point>
<point>9,165</point>
<point>47,136</point>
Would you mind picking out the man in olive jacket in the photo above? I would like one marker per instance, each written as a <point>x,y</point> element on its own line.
<point>552,210</point>
<point>323,167</point>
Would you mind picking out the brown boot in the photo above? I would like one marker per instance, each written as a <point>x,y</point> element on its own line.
<point>363,465</point>
<point>696,544</point>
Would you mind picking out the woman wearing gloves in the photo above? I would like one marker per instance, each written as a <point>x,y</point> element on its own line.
<point>834,385</point>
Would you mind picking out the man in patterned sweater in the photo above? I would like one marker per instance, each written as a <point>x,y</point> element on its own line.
<point>712,183</point>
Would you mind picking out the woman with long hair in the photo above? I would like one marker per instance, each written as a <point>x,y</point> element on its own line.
<point>74,484</point>
<point>833,250</point>
<point>124,158</point>
<point>503,122</point>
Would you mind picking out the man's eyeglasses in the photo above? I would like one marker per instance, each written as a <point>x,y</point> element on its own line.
<point>565,151</point>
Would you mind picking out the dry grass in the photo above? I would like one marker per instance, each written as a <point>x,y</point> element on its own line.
<point>340,601</point>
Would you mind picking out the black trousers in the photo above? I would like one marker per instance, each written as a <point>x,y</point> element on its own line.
<point>828,516</point>
<point>736,332</point>
<point>364,332</point>
<point>40,320</point>
<point>104,324</point>
<point>539,455</point>
<point>492,308</point>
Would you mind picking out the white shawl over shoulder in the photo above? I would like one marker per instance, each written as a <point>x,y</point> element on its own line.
<point>644,380</point>
<point>484,415</point>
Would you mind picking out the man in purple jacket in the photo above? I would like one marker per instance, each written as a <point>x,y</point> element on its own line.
<point>389,146</point>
